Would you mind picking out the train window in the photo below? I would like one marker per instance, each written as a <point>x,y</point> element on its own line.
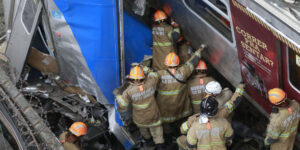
<point>219,4</point>
<point>294,68</point>
<point>215,13</point>
<point>27,17</point>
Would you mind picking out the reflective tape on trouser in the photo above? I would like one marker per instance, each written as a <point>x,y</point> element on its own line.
<point>173,92</point>
<point>148,125</point>
<point>162,44</point>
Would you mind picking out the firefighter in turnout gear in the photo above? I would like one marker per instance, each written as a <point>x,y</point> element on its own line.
<point>214,89</point>
<point>140,94</point>
<point>209,132</point>
<point>224,112</point>
<point>172,96</point>
<point>70,139</point>
<point>184,50</point>
<point>164,36</point>
<point>284,121</point>
<point>196,85</point>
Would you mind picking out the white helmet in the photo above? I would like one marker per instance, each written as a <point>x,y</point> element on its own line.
<point>213,88</point>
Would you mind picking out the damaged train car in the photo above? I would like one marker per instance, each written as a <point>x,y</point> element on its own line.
<point>59,64</point>
<point>62,59</point>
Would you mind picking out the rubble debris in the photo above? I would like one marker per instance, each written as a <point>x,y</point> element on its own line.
<point>18,100</point>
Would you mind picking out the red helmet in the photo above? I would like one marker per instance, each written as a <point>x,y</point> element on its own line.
<point>201,65</point>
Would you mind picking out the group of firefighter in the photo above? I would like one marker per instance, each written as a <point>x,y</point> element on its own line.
<point>176,87</point>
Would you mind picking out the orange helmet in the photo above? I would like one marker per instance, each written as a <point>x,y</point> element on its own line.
<point>136,72</point>
<point>172,60</point>
<point>277,96</point>
<point>159,15</point>
<point>78,128</point>
<point>201,65</point>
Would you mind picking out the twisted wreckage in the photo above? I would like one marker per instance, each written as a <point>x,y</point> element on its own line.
<point>47,82</point>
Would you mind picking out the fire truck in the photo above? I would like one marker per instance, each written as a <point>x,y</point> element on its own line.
<point>88,47</point>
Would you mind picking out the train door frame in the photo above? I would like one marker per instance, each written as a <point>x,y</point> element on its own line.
<point>292,91</point>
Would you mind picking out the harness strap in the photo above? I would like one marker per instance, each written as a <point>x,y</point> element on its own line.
<point>180,81</point>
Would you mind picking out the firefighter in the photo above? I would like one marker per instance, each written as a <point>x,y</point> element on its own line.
<point>196,85</point>
<point>140,94</point>
<point>284,120</point>
<point>224,112</point>
<point>184,49</point>
<point>214,89</point>
<point>172,97</point>
<point>70,139</point>
<point>164,36</point>
<point>209,132</point>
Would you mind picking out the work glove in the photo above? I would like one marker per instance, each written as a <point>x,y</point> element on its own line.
<point>240,88</point>
<point>175,36</point>
<point>116,91</point>
<point>199,50</point>
<point>228,143</point>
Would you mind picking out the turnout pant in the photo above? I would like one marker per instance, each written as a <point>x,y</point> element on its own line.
<point>155,132</point>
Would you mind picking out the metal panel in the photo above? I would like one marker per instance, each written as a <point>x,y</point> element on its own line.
<point>257,53</point>
<point>21,36</point>
<point>10,10</point>
<point>138,40</point>
<point>86,42</point>
<point>221,53</point>
<point>276,18</point>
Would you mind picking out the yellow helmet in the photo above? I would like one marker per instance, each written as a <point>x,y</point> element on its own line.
<point>277,96</point>
<point>172,60</point>
<point>136,73</point>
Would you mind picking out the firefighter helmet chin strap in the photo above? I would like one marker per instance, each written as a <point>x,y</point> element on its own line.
<point>203,119</point>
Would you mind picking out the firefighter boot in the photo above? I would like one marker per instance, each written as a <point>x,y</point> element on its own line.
<point>148,143</point>
<point>161,146</point>
<point>168,138</point>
